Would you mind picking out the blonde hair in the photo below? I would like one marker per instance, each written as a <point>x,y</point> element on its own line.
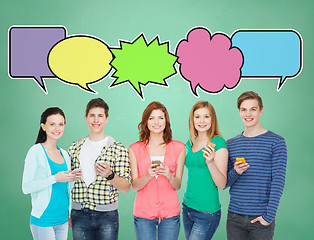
<point>213,131</point>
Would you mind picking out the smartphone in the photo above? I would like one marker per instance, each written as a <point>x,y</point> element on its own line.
<point>157,163</point>
<point>241,159</point>
<point>75,171</point>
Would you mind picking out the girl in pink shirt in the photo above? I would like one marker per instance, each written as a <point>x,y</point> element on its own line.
<point>157,164</point>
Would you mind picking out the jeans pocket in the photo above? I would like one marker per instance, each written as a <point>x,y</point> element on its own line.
<point>75,214</point>
<point>231,216</point>
<point>112,215</point>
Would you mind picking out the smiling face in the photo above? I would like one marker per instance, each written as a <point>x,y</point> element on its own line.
<point>96,120</point>
<point>202,120</point>
<point>250,113</point>
<point>54,127</point>
<point>156,122</point>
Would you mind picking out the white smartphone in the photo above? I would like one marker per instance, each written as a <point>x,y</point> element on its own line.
<point>75,171</point>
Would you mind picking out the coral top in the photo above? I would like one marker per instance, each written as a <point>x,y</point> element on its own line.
<point>157,199</point>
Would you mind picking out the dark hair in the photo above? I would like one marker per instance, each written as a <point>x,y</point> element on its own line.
<point>249,95</point>
<point>97,102</point>
<point>42,137</point>
<point>142,126</point>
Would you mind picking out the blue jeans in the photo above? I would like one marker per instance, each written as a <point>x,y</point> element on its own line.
<point>199,225</point>
<point>146,229</point>
<point>94,225</point>
<point>239,227</point>
<point>58,232</point>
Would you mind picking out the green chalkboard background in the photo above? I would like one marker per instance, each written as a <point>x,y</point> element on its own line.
<point>289,112</point>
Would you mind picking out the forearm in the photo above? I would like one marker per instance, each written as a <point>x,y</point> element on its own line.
<point>139,183</point>
<point>120,183</point>
<point>232,177</point>
<point>30,186</point>
<point>175,182</point>
<point>219,179</point>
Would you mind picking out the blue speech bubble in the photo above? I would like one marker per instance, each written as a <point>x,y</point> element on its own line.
<point>270,53</point>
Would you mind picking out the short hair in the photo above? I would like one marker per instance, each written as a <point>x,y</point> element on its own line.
<point>142,126</point>
<point>95,103</point>
<point>213,131</point>
<point>250,95</point>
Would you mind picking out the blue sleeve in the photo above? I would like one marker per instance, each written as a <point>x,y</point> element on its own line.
<point>279,163</point>
<point>31,181</point>
<point>232,175</point>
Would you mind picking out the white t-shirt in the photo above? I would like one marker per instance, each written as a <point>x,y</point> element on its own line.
<point>88,155</point>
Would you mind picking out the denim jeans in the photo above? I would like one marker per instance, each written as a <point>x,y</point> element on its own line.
<point>94,225</point>
<point>58,232</point>
<point>199,225</point>
<point>146,229</point>
<point>239,227</point>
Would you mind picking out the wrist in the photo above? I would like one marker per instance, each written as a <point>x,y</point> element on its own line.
<point>110,176</point>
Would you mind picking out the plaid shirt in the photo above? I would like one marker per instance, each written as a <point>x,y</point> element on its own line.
<point>100,191</point>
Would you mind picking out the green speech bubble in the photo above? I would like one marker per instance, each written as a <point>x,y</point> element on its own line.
<point>139,63</point>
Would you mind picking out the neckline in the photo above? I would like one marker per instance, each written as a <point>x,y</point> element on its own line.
<point>256,135</point>
<point>48,158</point>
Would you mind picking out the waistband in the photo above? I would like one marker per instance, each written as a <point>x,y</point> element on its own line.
<point>99,207</point>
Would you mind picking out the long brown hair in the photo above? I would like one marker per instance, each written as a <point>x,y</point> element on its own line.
<point>142,126</point>
<point>213,131</point>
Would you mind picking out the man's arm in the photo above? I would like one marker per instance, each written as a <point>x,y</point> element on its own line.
<point>279,163</point>
<point>122,177</point>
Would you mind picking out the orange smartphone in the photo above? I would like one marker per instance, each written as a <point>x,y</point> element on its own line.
<point>211,145</point>
<point>241,159</point>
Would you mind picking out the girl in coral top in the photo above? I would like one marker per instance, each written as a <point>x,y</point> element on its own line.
<point>157,164</point>
<point>206,161</point>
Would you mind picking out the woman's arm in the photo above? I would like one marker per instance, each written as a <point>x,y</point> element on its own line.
<point>32,184</point>
<point>29,184</point>
<point>139,183</point>
<point>175,181</point>
<point>217,168</point>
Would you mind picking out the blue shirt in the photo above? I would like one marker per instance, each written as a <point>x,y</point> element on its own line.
<point>57,211</point>
<point>258,190</point>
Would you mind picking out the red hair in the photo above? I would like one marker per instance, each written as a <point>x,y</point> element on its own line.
<point>142,126</point>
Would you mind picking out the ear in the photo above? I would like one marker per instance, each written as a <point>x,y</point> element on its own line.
<point>107,118</point>
<point>43,127</point>
<point>261,111</point>
<point>85,118</point>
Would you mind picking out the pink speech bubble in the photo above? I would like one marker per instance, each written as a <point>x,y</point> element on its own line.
<point>209,62</point>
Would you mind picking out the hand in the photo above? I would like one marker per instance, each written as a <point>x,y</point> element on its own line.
<point>261,220</point>
<point>64,176</point>
<point>240,167</point>
<point>164,170</point>
<point>70,220</point>
<point>77,175</point>
<point>103,169</point>
<point>209,154</point>
<point>151,171</point>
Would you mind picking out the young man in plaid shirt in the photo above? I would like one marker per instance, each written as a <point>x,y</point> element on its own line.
<point>105,170</point>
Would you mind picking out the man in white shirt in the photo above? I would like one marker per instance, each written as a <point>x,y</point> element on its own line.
<point>105,170</point>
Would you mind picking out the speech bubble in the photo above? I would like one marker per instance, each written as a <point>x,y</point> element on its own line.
<point>270,53</point>
<point>209,61</point>
<point>139,63</point>
<point>28,51</point>
<point>80,60</point>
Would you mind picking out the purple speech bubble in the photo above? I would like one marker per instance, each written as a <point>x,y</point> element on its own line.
<point>28,51</point>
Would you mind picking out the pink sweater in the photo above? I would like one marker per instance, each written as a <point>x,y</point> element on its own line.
<point>157,199</point>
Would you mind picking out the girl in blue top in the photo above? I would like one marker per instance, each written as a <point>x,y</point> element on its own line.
<point>47,178</point>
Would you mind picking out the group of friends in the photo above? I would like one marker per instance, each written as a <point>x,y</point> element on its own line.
<point>79,188</point>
